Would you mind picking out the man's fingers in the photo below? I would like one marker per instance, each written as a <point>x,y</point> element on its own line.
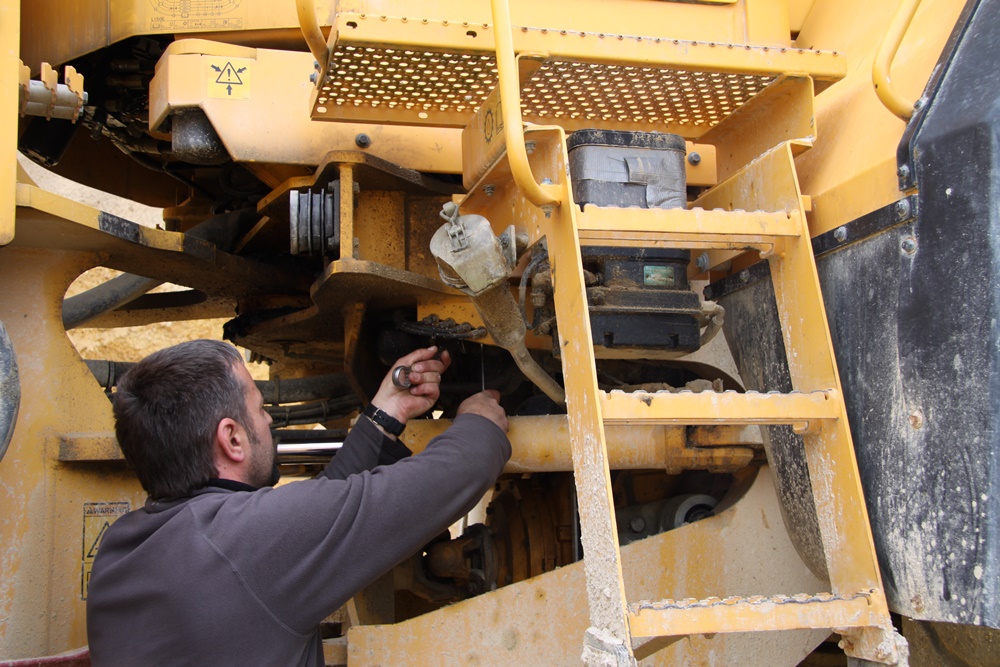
<point>424,377</point>
<point>418,355</point>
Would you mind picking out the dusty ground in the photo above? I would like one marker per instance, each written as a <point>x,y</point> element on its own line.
<point>126,343</point>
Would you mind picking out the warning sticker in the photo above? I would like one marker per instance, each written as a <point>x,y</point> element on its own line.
<point>97,518</point>
<point>229,79</point>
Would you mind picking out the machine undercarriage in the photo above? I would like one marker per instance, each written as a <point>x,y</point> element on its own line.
<point>565,201</point>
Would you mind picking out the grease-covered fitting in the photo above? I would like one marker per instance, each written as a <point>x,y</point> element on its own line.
<point>472,259</point>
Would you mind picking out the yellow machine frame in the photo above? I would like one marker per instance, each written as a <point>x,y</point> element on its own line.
<point>772,179</point>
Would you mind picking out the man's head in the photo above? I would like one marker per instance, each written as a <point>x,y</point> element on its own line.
<point>189,413</point>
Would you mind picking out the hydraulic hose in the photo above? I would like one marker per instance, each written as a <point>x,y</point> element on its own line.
<point>222,230</point>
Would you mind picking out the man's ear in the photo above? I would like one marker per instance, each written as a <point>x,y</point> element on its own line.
<point>231,442</point>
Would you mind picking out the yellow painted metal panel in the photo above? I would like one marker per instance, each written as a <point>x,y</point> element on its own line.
<point>44,537</point>
<point>273,125</point>
<point>616,17</point>
<point>538,445</point>
<point>851,169</point>
<point>9,66</point>
<point>683,228</point>
<point>540,621</point>
<point>713,408</point>
<point>781,112</point>
<point>57,31</point>
<point>754,614</point>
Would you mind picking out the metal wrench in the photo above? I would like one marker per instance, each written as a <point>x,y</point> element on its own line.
<point>401,374</point>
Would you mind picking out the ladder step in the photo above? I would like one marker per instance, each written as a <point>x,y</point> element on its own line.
<point>670,618</point>
<point>729,407</point>
<point>690,228</point>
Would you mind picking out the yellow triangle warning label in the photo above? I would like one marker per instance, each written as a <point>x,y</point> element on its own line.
<point>92,552</point>
<point>229,74</point>
<point>229,79</point>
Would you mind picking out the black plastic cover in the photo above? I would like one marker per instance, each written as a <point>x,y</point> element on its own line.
<point>914,312</point>
<point>915,320</point>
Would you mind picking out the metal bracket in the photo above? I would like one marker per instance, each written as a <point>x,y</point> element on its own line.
<point>892,215</point>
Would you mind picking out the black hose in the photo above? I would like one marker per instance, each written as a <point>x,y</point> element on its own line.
<point>292,390</point>
<point>222,230</point>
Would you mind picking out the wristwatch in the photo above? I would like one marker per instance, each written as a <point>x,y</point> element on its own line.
<point>391,425</point>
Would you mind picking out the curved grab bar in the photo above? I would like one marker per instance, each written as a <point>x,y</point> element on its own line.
<point>310,30</point>
<point>510,101</point>
<point>886,92</point>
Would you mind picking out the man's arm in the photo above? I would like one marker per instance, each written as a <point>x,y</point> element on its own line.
<point>365,447</point>
<point>306,547</point>
<point>368,445</point>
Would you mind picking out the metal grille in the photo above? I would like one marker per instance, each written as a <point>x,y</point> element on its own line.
<point>421,84</point>
<point>408,80</point>
<point>597,92</point>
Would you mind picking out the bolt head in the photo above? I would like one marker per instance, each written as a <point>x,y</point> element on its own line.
<point>362,140</point>
<point>637,524</point>
<point>529,146</point>
<point>702,261</point>
<point>694,159</point>
<point>313,77</point>
<point>902,208</point>
<point>489,189</point>
<point>903,171</point>
<point>840,233</point>
<point>909,245</point>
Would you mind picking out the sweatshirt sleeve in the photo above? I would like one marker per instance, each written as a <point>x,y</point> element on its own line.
<point>306,547</point>
<point>364,448</point>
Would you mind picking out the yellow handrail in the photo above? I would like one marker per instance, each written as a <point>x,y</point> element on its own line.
<point>889,96</point>
<point>510,100</point>
<point>310,30</point>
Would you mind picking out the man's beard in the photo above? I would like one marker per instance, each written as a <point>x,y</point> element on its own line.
<point>260,474</point>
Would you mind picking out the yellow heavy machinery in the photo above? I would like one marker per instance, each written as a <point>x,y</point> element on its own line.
<point>657,227</point>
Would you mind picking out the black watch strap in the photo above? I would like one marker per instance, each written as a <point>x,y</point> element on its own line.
<point>385,420</point>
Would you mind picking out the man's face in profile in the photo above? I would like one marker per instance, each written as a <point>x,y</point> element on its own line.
<point>263,450</point>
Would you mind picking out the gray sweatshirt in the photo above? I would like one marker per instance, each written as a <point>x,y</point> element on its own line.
<point>244,577</point>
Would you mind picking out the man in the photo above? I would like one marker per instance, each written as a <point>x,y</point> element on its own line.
<point>220,569</point>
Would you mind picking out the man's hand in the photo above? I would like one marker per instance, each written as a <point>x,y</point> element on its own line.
<point>486,404</point>
<point>425,381</point>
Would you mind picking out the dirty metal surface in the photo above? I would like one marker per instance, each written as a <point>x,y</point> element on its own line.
<point>540,621</point>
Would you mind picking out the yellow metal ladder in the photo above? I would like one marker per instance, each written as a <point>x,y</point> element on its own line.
<point>759,207</point>
<point>566,79</point>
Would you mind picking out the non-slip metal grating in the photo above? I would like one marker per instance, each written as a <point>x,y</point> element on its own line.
<point>427,87</point>
<point>407,80</point>
<point>599,92</point>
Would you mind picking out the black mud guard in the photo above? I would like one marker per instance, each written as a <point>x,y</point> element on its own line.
<point>912,294</point>
<point>915,316</point>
